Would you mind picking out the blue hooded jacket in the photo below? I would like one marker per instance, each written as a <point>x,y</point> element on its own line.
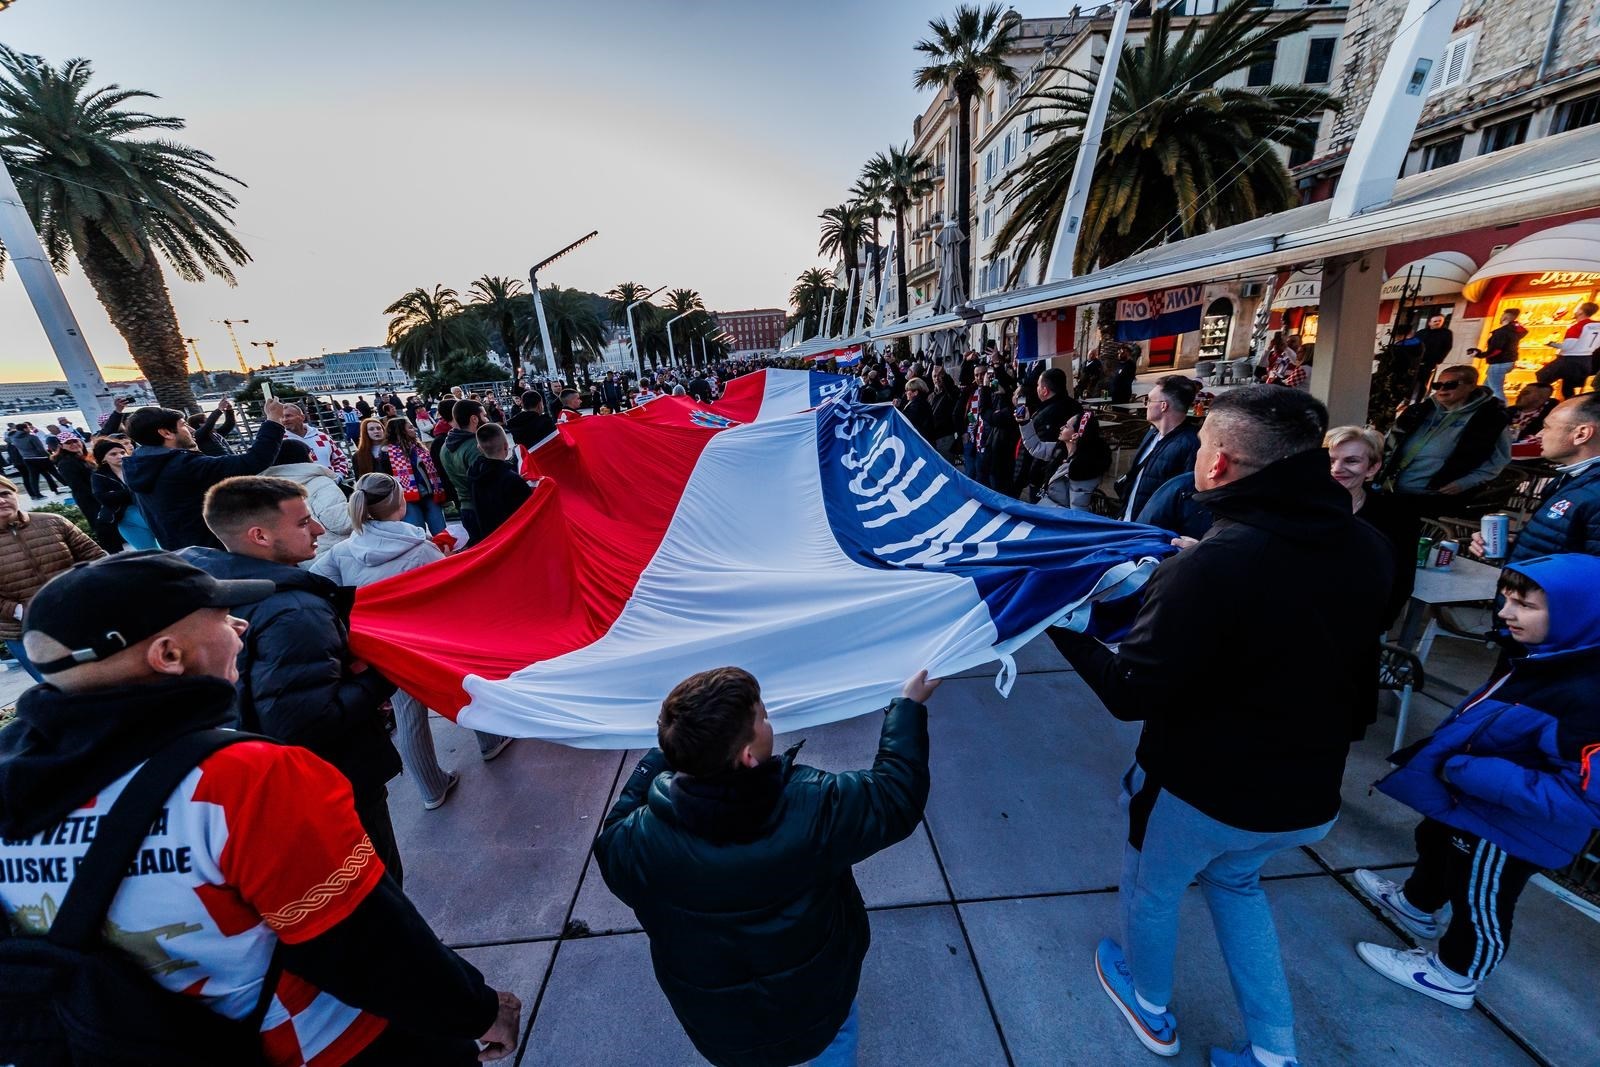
<point>1513,763</point>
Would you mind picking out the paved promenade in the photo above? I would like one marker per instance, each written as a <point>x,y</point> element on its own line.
<point>984,921</point>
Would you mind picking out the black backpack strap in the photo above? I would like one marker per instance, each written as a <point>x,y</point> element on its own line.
<point>123,829</point>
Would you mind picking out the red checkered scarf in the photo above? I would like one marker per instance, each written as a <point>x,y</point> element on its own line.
<point>400,462</point>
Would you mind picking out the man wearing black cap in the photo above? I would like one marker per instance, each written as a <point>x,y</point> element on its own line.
<point>1041,446</point>
<point>258,848</point>
<point>297,680</point>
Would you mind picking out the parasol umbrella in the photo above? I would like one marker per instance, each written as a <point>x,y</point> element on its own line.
<point>947,343</point>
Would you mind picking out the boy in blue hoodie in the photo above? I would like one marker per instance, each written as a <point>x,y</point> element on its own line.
<point>1505,785</point>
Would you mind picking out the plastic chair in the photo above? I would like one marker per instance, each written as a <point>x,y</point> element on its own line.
<point>1400,671</point>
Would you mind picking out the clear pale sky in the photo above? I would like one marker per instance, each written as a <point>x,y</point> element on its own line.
<point>393,144</point>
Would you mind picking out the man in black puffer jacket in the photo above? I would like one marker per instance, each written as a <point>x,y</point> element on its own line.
<point>1231,770</point>
<point>1041,448</point>
<point>297,680</point>
<point>738,868</point>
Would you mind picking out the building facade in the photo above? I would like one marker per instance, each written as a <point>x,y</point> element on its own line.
<point>360,368</point>
<point>755,332</point>
<point>1511,71</point>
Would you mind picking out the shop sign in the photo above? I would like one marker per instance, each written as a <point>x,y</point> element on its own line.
<point>1562,279</point>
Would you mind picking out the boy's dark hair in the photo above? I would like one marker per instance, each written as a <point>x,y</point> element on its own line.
<point>531,400</point>
<point>233,505</point>
<point>1055,379</point>
<point>292,451</point>
<point>1518,584</point>
<point>706,719</point>
<point>104,445</point>
<point>146,424</point>
<point>568,392</point>
<point>491,438</point>
<point>447,408</point>
<point>464,411</point>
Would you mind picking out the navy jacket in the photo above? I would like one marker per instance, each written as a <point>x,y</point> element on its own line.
<point>1566,520</point>
<point>1513,764</point>
<point>1172,456</point>
<point>169,484</point>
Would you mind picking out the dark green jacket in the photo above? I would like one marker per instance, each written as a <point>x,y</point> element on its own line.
<point>758,941</point>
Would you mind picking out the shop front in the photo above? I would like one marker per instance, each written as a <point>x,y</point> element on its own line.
<point>1422,289</point>
<point>1545,277</point>
<point>1295,305</point>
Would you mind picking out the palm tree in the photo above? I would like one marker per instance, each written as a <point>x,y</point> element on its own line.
<point>810,297</point>
<point>426,327</point>
<point>103,183</point>
<point>684,301</point>
<point>575,328</point>
<point>495,301</point>
<point>843,229</point>
<point>961,53</point>
<point>903,175</point>
<point>1180,155</point>
<point>869,194</point>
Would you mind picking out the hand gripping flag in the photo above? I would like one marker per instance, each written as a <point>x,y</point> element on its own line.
<point>831,552</point>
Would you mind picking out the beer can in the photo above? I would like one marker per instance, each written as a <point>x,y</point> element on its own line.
<point>1496,532</point>
<point>1444,554</point>
<point>1424,551</point>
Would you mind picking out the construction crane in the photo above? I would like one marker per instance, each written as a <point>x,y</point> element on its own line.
<point>194,349</point>
<point>244,368</point>
<point>268,345</point>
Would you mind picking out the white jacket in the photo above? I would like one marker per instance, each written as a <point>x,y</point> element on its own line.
<point>328,503</point>
<point>380,549</point>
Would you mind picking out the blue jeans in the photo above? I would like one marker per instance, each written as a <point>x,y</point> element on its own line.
<point>14,646</point>
<point>841,1051</point>
<point>426,513</point>
<point>1181,844</point>
<point>1496,379</point>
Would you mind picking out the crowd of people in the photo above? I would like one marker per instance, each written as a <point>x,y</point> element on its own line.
<point>222,570</point>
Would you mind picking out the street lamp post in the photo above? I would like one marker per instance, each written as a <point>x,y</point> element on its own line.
<point>538,301</point>
<point>633,335</point>
<point>672,354</point>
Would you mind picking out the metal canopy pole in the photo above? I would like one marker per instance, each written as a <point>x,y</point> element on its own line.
<point>538,301</point>
<point>1066,243</point>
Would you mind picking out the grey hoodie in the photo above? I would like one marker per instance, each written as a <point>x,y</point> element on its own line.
<point>381,549</point>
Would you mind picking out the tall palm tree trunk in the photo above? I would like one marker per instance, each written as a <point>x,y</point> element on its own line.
<point>964,187</point>
<point>141,309</point>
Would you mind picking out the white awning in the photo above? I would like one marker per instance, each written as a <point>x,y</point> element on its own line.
<point>1572,248</point>
<point>1439,274</point>
<point>1302,290</point>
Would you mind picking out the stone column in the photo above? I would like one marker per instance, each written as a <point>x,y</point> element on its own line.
<point>1341,370</point>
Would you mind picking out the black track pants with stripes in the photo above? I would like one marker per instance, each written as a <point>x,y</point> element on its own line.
<point>1481,882</point>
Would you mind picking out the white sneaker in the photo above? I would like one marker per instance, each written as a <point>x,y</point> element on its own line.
<point>1420,970</point>
<point>1388,896</point>
<point>438,802</point>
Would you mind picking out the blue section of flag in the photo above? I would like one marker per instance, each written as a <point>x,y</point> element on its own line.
<point>825,387</point>
<point>895,503</point>
<point>1027,339</point>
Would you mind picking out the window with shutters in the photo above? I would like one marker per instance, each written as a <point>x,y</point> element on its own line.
<point>1454,64</point>
<point>1027,129</point>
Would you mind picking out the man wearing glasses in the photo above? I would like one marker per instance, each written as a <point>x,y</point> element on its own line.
<point>1449,444</point>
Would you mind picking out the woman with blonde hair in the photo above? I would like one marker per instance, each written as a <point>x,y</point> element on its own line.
<point>1354,455</point>
<point>381,546</point>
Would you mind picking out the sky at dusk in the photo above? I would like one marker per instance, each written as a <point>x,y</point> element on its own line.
<point>393,144</point>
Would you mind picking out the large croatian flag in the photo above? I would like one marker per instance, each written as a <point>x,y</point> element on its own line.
<point>831,552</point>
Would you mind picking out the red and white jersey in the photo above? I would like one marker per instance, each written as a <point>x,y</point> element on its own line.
<point>568,415</point>
<point>259,843</point>
<point>324,450</point>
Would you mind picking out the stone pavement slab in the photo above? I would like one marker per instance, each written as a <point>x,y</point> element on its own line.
<point>501,859</point>
<point>518,968</point>
<point>1037,957</point>
<point>920,1001</point>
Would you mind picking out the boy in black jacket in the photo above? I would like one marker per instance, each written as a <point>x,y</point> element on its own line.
<point>738,868</point>
<point>497,489</point>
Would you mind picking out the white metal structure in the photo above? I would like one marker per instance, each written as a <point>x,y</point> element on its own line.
<point>89,389</point>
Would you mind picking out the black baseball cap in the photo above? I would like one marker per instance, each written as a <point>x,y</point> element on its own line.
<point>98,609</point>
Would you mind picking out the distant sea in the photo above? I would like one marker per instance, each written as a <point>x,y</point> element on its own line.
<point>44,418</point>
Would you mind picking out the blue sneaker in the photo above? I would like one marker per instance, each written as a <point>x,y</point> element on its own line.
<point>1158,1033</point>
<point>1243,1056</point>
